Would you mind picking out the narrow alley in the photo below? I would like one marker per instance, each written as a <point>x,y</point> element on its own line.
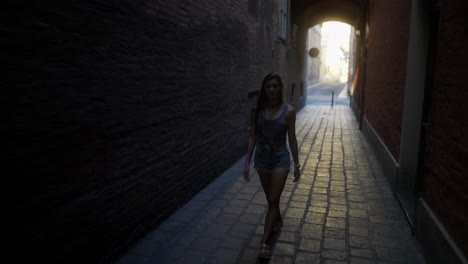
<point>129,133</point>
<point>341,211</point>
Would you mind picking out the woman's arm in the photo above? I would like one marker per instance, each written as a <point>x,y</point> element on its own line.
<point>293,140</point>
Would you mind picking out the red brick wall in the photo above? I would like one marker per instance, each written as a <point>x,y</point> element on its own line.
<point>445,181</point>
<point>386,69</point>
<point>120,111</point>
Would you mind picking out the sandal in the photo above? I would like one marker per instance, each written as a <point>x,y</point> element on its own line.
<point>265,252</point>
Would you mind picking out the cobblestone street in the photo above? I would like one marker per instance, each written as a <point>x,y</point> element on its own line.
<point>341,211</point>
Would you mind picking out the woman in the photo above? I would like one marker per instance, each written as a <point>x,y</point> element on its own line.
<point>271,120</point>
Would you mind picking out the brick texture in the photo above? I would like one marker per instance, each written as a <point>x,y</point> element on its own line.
<point>121,111</point>
<point>386,69</point>
<point>445,174</point>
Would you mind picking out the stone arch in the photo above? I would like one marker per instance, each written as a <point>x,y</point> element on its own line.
<point>308,13</point>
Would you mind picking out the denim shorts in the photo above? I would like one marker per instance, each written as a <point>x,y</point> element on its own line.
<point>272,159</point>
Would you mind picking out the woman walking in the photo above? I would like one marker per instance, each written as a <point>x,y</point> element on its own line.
<point>270,121</point>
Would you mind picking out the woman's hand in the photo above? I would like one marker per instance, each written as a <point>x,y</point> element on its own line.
<point>246,173</point>
<point>297,174</point>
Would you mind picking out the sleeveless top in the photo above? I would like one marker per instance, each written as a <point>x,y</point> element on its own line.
<point>273,131</point>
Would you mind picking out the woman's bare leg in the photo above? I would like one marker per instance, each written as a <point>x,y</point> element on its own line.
<point>273,185</point>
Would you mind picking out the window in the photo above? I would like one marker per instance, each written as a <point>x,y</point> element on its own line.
<point>283,19</point>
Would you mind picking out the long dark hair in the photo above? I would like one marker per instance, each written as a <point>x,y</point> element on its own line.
<point>262,98</point>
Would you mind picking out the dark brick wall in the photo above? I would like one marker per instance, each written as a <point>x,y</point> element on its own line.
<point>445,181</point>
<point>120,111</point>
<point>386,69</point>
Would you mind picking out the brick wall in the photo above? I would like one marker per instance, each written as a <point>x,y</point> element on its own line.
<point>386,69</point>
<point>445,181</point>
<point>120,111</point>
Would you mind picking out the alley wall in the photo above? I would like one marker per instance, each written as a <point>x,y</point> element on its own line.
<point>445,181</point>
<point>121,111</point>
<point>386,69</point>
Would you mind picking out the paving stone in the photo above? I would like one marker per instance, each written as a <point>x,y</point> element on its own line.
<point>279,259</point>
<point>358,213</point>
<point>218,203</point>
<point>338,214</point>
<point>259,198</point>
<point>285,236</point>
<point>297,204</point>
<point>320,204</point>
<point>334,254</point>
<point>205,244</point>
<point>338,183</point>
<point>337,194</point>
<point>331,261</point>
<point>337,200</point>
<point>210,212</point>
<point>282,248</point>
<point>255,242</point>
<point>300,198</point>
<point>360,242</point>
<point>193,257</point>
<point>295,212</point>
<point>317,209</point>
<point>337,188</point>
<point>356,260</point>
<point>244,196</point>
<point>233,209</point>
<point>357,206</point>
<point>216,231</point>
<point>291,224</point>
<point>333,222</point>
<point>360,222</point>
<point>249,255</point>
<point>312,231</point>
<point>321,184</point>
<point>255,209</point>
<point>239,203</point>
<point>335,244</point>
<point>314,218</point>
<point>307,258</point>
<point>319,197</point>
<point>242,230</point>
<point>222,255</point>
<point>247,189</point>
<point>358,231</point>
<point>301,192</point>
<point>309,245</point>
<point>338,207</point>
<point>335,233</point>
<point>363,253</point>
<point>389,254</point>
<point>224,218</point>
<point>233,243</point>
<point>250,218</point>
<point>320,190</point>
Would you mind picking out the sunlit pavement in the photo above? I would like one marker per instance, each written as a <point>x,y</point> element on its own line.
<point>341,211</point>
<point>321,93</point>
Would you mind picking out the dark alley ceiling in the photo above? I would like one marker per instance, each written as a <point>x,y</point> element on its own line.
<point>312,12</point>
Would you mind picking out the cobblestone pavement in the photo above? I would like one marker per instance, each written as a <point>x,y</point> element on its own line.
<point>341,211</point>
